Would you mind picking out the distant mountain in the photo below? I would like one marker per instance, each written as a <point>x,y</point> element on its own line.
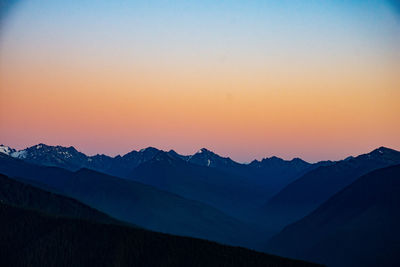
<point>124,165</point>
<point>134,202</point>
<point>205,157</point>
<point>31,238</point>
<point>6,150</point>
<point>71,159</point>
<point>13,192</point>
<point>57,156</point>
<point>11,151</point>
<point>359,226</point>
<point>270,174</point>
<point>275,173</point>
<point>230,193</point>
<point>237,189</point>
<point>309,191</point>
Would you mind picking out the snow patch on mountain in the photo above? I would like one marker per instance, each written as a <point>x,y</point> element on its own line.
<point>19,154</point>
<point>6,150</point>
<point>12,152</point>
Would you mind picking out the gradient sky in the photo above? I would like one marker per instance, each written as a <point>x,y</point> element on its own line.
<point>247,79</point>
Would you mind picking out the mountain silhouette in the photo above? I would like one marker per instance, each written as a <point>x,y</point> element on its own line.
<point>23,195</point>
<point>268,175</point>
<point>32,238</point>
<point>134,202</point>
<point>358,226</point>
<point>230,193</point>
<point>309,191</point>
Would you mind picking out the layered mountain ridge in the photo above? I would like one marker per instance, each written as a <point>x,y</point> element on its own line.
<point>133,202</point>
<point>208,196</point>
<point>305,194</point>
<point>271,174</point>
<point>358,226</point>
<point>72,159</point>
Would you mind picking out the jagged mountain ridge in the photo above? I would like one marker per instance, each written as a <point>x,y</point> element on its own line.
<point>134,202</point>
<point>231,193</point>
<point>305,194</point>
<point>238,189</point>
<point>72,159</point>
<point>270,173</point>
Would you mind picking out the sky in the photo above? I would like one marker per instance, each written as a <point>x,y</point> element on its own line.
<point>247,79</point>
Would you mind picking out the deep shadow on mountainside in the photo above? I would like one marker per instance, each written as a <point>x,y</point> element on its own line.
<point>238,190</point>
<point>40,228</point>
<point>32,238</point>
<point>231,193</point>
<point>26,196</point>
<point>305,194</point>
<point>207,181</point>
<point>270,174</point>
<point>136,203</point>
<point>359,226</point>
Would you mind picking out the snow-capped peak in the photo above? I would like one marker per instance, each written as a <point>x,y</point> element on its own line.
<point>203,150</point>
<point>21,154</point>
<point>12,152</point>
<point>6,150</point>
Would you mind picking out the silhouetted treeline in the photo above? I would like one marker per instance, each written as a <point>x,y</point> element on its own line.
<point>30,238</point>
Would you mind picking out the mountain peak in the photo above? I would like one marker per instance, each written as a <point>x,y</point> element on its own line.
<point>208,158</point>
<point>272,159</point>
<point>205,151</point>
<point>6,149</point>
<point>66,157</point>
<point>299,161</point>
<point>148,149</point>
<point>147,152</point>
<point>12,152</point>
<point>383,150</point>
<point>42,146</point>
<point>276,162</point>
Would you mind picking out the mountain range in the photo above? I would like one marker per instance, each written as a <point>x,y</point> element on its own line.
<point>40,228</point>
<point>233,194</point>
<point>270,173</point>
<point>309,191</point>
<point>235,188</point>
<point>358,226</point>
<point>270,205</point>
<point>133,202</point>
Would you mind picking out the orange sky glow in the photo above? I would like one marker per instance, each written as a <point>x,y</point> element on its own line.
<point>241,100</point>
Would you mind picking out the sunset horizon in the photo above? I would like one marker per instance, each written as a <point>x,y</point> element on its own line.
<point>180,133</point>
<point>129,150</point>
<point>316,80</point>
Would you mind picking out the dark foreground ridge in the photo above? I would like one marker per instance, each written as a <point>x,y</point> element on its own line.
<point>29,197</point>
<point>359,226</point>
<point>31,238</point>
